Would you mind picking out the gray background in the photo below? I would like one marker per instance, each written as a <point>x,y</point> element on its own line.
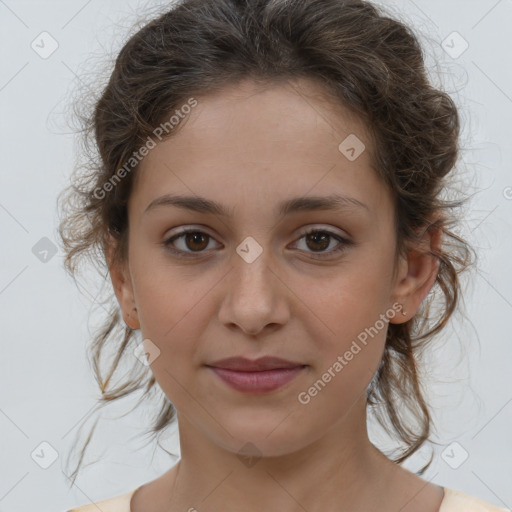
<point>47,386</point>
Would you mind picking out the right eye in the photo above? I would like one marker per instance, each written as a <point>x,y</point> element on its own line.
<point>192,238</point>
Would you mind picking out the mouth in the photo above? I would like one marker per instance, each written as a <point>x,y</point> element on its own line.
<point>256,376</point>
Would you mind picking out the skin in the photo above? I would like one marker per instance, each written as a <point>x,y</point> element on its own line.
<point>287,303</point>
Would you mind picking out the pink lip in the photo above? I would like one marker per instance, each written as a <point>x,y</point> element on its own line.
<point>256,376</point>
<point>258,381</point>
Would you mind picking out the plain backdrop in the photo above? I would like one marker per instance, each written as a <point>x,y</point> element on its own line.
<point>47,387</point>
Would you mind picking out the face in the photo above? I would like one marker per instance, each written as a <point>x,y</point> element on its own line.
<point>313,286</point>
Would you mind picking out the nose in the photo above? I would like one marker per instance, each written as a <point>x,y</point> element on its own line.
<point>256,297</point>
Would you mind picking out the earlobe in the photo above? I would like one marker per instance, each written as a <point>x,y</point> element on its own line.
<point>124,293</point>
<point>132,320</point>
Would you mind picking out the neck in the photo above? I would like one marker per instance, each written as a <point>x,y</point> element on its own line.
<point>340,471</point>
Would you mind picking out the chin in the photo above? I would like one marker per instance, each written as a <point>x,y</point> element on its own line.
<point>264,437</point>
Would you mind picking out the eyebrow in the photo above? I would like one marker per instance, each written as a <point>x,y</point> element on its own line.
<point>297,204</point>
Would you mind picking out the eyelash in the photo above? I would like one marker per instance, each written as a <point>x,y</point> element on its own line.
<point>344,243</point>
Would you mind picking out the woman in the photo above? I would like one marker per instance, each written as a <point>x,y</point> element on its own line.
<point>267,200</point>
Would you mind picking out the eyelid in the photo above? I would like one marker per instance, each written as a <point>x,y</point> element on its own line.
<point>322,227</point>
<point>188,228</point>
<point>302,231</point>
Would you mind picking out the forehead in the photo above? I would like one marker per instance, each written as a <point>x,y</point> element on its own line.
<point>265,141</point>
<point>249,113</point>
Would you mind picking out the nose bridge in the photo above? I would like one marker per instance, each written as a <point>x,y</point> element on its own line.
<point>252,298</point>
<point>251,263</point>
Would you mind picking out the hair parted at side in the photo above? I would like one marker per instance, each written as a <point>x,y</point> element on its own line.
<point>370,63</point>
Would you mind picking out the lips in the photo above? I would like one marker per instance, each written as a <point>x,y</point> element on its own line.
<point>256,376</point>
<point>242,364</point>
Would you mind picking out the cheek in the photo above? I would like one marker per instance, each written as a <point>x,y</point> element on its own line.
<point>170,298</point>
<point>354,319</point>
<point>345,306</point>
<point>347,364</point>
<point>174,314</point>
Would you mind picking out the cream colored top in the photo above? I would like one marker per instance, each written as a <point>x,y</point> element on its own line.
<point>453,501</point>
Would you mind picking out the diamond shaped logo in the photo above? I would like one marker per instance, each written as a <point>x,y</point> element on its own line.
<point>44,455</point>
<point>249,454</point>
<point>146,352</point>
<point>44,250</point>
<point>454,455</point>
<point>352,147</point>
<point>455,45</point>
<point>249,249</point>
<point>44,45</point>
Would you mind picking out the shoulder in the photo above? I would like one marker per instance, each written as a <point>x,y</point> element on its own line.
<point>458,501</point>
<point>117,504</point>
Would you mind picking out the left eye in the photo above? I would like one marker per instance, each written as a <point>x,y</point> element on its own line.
<point>321,240</point>
<point>317,240</point>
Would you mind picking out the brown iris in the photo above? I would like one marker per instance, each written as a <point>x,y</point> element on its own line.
<point>316,236</point>
<point>194,237</point>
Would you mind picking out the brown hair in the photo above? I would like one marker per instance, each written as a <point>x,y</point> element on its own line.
<point>367,61</point>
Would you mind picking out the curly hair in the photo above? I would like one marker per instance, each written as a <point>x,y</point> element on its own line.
<point>370,63</point>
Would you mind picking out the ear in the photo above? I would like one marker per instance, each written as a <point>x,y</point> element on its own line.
<point>418,272</point>
<point>122,285</point>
